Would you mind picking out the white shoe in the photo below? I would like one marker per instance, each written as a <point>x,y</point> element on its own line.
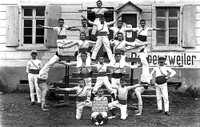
<point>101,123</point>
<point>96,123</point>
<point>111,117</point>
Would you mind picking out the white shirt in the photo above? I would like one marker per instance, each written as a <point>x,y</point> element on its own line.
<point>34,64</point>
<point>121,44</point>
<point>165,70</point>
<point>119,30</point>
<point>99,10</point>
<point>61,31</point>
<point>143,31</point>
<point>83,44</point>
<point>102,67</point>
<point>78,89</point>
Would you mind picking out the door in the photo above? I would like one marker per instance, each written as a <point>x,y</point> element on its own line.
<point>131,21</point>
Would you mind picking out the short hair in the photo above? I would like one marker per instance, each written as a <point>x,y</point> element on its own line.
<point>84,53</point>
<point>81,79</point>
<point>61,19</point>
<point>83,20</point>
<point>99,1</point>
<point>142,20</point>
<point>120,33</point>
<point>82,33</point>
<point>119,21</point>
<point>117,54</point>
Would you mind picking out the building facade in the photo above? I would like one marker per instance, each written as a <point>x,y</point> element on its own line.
<point>18,33</point>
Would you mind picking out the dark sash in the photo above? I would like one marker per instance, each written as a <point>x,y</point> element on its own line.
<point>142,38</point>
<point>41,81</point>
<point>117,75</point>
<point>102,74</point>
<point>83,50</point>
<point>87,75</point>
<point>119,51</point>
<point>33,71</point>
<point>123,102</point>
<point>61,37</point>
<point>102,33</point>
<point>81,99</point>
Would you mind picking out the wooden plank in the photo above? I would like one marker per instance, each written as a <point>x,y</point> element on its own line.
<point>12,31</point>
<point>3,39</point>
<point>3,15</point>
<point>71,8</point>
<point>189,26</point>
<point>197,8</point>
<point>76,16</point>
<point>2,23</point>
<point>198,16</point>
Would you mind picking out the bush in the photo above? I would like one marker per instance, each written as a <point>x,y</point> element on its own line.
<point>192,92</point>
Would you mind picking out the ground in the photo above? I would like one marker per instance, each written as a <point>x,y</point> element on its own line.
<point>16,112</point>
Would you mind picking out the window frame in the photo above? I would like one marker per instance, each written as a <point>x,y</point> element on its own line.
<point>32,46</point>
<point>168,47</point>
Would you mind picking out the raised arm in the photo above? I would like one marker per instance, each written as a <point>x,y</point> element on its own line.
<point>112,22</point>
<point>66,89</point>
<point>68,64</point>
<point>90,22</point>
<point>45,27</point>
<point>84,10</point>
<point>131,66</point>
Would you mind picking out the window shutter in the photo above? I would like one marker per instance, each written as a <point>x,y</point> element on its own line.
<point>189,20</point>
<point>12,26</point>
<point>53,14</point>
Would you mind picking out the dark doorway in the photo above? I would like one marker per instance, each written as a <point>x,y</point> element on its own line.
<point>130,19</point>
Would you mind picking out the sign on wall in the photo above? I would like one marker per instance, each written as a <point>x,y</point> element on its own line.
<point>100,106</point>
<point>175,59</point>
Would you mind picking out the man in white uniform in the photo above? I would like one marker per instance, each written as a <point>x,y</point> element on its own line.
<point>81,92</point>
<point>102,38</point>
<point>33,67</point>
<point>121,101</point>
<point>62,43</point>
<point>161,89</point>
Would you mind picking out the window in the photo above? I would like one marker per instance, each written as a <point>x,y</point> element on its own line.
<point>168,18</point>
<point>31,16</point>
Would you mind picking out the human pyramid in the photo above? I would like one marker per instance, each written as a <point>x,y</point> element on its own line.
<point>85,62</point>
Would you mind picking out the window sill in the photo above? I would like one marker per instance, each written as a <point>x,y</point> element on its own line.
<point>39,47</point>
<point>167,48</point>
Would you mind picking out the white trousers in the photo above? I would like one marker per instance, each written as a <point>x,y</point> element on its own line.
<point>44,89</point>
<point>103,80</point>
<point>95,114</point>
<point>32,79</point>
<point>123,108</point>
<point>80,106</point>
<point>115,83</point>
<point>162,93</point>
<point>88,83</point>
<point>105,41</point>
<point>49,64</point>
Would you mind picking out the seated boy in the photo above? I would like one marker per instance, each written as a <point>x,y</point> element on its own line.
<point>99,118</point>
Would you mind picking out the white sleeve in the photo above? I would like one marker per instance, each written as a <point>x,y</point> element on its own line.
<point>56,29</point>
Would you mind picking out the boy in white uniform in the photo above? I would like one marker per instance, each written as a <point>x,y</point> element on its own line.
<point>32,68</point>
<point>83,71</point>
<point>62,43</point>
<point>102,37</point>
<point>161,89</point>
<point>103,120</point>
<point>81,91</point>
<point>121,101</point>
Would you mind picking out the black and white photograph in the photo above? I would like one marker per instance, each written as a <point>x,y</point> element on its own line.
<point>109,63</point>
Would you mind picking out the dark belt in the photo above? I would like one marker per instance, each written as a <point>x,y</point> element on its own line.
<point>142,38</point>
<point>83,50</point>
<point>81,99</point>
<point>102,33</point>
<point>117,75</point>
<point>102,74</point>
<point>41,81</point>
<point>33,71</point>
<point>99,15</point>
<point>145,84</point>
<point>119,51</point>
<point>87,75</point>
<point>61,37</point>
<point>123,102</point>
